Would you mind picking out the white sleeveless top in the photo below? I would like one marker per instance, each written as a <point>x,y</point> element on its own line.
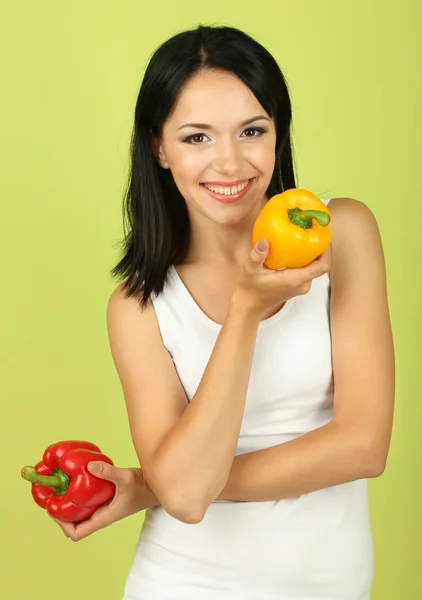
<point>316,546</point>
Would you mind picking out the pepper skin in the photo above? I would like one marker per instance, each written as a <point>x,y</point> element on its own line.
<point>62,484</point>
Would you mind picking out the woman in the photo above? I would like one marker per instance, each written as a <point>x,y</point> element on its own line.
<point>254,466</point>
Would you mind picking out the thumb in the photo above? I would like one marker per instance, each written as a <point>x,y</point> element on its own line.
<point>260,250</point>
<point>103,470</point>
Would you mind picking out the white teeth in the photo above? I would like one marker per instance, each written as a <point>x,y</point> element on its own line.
<point>227,191</point>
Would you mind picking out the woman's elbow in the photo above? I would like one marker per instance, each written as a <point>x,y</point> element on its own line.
<point>376,458</point>
<point>377,465</point>
<point>185,510</point>
<point>184,498</point>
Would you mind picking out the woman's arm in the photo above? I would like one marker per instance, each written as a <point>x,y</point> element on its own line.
<point>354,445</point>
<point>186,449</point>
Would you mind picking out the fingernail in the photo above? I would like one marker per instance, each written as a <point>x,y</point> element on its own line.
<point>261,245</point>
<point>94,467</point>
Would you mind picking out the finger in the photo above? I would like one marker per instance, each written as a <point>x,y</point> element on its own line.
<point>104,470</point>
<point>260,251</point>
<point>319,266</point>
<point>68,529</point>
<point>99,520</point>
<point>326,255</point>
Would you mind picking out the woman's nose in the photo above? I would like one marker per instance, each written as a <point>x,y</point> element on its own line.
<point>227,158</point>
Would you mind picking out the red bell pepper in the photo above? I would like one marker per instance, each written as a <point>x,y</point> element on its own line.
<point>62,484</point>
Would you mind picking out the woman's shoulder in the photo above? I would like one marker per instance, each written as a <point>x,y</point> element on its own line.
<point>356,237</point>
<point>123,307</point>
<point>347,215</point>
<point>352,223</point>
<point>348,206</point>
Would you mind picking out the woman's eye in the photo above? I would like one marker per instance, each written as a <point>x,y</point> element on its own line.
<point>254,130</point>
<point>193,139</point>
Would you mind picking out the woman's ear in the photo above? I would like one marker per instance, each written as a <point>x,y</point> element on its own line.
<point>158,152</point>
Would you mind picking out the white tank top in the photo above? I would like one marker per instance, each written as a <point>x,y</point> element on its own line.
<point>316,546</point>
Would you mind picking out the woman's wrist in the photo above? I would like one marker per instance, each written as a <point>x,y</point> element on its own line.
<point>145,497</point>
<point>241,307</point>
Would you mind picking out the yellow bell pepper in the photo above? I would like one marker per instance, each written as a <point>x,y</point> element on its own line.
<point>296,225</point>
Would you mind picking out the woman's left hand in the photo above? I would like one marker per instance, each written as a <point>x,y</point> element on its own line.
<point>132,495</point>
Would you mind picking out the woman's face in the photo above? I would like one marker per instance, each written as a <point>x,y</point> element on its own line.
<point>218,140</point>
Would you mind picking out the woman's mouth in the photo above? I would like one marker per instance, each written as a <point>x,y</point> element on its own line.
<point>228,194</point>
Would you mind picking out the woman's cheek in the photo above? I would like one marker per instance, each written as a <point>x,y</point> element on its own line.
<point>189,165</point>
<point>265,157</point>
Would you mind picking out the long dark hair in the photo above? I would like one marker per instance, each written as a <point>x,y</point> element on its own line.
<point>155,221</point>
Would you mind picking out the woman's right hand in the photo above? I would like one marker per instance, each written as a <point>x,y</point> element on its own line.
<point>132,495</point>
<point>260,289</point>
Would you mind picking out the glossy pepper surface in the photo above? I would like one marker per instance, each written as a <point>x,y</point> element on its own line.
<point>62,484</point>
<point>296,225</point>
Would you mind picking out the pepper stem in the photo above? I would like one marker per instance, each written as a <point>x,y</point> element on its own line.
<point>59,481</point>
<point>303,218</point>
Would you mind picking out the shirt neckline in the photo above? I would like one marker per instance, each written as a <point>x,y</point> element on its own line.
<point>280,314</point>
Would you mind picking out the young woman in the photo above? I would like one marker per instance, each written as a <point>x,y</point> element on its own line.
<point>259,401</point>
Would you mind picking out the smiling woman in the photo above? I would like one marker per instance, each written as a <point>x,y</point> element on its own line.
<point>206,114</point>
<point>254,464</point>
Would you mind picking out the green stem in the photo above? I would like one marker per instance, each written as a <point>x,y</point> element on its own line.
<point>59,481</point>
<point>303,218</point>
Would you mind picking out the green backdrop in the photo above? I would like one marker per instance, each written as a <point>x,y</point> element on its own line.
<point>70,77</point>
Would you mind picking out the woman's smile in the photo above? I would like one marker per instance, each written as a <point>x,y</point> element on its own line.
<point>228,193</point>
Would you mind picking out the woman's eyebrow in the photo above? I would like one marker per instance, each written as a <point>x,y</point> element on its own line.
<point>205,126</point>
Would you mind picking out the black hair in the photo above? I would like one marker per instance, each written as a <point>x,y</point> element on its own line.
<point>155,220</point>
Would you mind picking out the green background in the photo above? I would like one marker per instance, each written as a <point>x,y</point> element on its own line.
<point>70,78</point>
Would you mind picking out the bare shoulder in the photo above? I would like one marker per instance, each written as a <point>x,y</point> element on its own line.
<point>358,263</point>
<point>350,215</point>
<point>126,318</point>
<point>355,235</point>
<point>132,329</point>
<point>120,302</point>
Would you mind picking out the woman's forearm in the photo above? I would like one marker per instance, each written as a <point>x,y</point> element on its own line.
<point>192,465</point>
<point>322,458</point>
